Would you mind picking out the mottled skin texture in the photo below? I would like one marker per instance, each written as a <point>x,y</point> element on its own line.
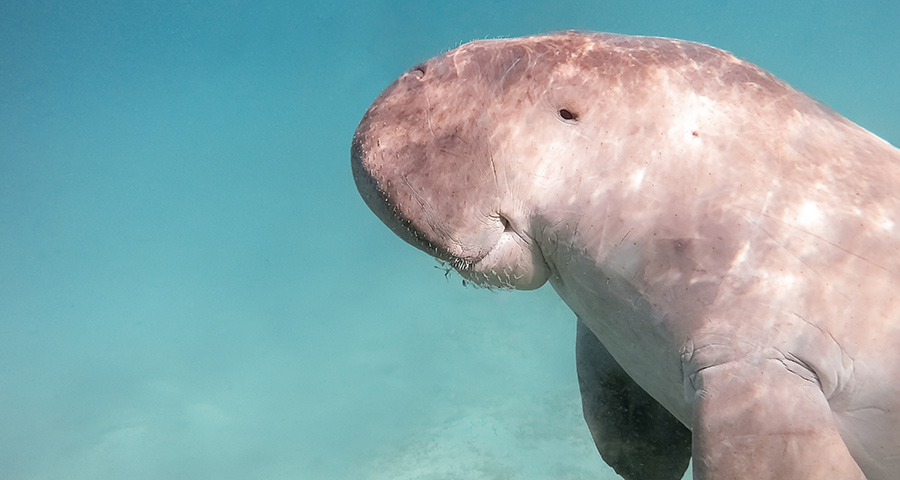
<point>732,244</point>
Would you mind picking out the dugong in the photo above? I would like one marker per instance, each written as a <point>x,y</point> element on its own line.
<point>729,246</point>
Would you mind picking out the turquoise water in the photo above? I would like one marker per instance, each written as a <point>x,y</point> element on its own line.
<point>190,287</point>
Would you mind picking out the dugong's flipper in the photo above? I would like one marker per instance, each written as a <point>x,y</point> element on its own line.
<point>634,434</point>
<point>771,423</point>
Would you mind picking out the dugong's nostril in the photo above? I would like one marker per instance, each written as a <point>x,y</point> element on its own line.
<point>418,71</point>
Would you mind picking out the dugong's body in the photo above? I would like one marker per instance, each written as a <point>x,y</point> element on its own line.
<point>733,244</point>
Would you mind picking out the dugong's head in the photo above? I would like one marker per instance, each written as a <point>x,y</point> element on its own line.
<point>447,155</point>
<point>464,155</point>
<point>428,159</point>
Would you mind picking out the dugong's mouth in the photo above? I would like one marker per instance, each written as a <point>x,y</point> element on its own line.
<point>510,260</point>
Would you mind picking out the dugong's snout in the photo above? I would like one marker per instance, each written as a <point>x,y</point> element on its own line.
<point>422,161</point>
<point>406,167</point>
<point>407,154</point>
<point>379,200</point>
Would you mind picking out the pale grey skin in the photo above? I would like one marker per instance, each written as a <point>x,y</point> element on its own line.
<point>733,244</point>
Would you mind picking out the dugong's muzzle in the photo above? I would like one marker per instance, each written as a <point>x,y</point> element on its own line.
<point>422,159</point>
<point>423,168</point>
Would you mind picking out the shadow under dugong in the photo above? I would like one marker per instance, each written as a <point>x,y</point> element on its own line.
<point>730,247</point>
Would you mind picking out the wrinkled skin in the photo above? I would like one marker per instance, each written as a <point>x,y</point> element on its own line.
<point>729,246</point>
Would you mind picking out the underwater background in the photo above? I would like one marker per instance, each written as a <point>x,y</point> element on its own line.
<point>191,288</point>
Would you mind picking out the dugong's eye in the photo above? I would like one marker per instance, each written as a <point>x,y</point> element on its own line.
<point>567,115</point>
